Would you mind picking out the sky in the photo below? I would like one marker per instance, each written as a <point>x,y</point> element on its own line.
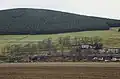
<point>99,8</point>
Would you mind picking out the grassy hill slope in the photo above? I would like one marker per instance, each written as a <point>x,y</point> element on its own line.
<point>110,38</point>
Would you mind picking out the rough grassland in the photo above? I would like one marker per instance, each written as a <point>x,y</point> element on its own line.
<point>39,71</point>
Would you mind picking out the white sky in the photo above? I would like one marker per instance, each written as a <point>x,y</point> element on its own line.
<point>100,8</point>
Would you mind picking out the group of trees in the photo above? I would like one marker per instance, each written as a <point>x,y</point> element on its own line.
<point>60,44</point>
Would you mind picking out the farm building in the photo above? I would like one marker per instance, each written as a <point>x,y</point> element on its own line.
<point>113,50</point>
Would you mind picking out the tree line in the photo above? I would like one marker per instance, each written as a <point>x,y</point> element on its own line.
<point>50,45</point>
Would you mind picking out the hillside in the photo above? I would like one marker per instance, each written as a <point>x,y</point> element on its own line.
<point>42,21</point>
<point>110,38</point>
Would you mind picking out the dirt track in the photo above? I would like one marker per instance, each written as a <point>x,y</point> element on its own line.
<point>60,71</point>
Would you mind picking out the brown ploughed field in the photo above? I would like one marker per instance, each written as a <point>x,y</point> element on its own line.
<point>60,71</point>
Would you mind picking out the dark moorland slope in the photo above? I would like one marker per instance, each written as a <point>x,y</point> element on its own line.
<point>42,21</point>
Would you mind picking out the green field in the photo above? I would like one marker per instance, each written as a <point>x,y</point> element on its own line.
<point>110,38</point>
